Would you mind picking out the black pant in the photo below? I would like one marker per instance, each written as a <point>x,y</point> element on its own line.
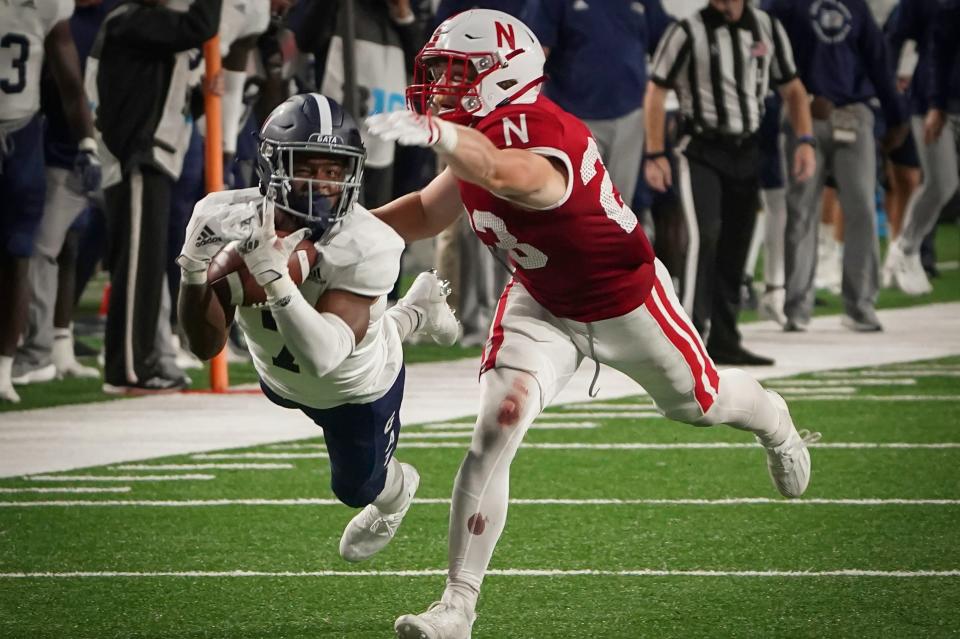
<point>725,184</point>
<point>137,263</point>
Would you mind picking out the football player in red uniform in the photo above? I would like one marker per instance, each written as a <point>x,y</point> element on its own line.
<point>585,280</point>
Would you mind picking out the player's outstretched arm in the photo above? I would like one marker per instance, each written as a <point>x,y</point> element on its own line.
<point>425,213</point>
<point>524,177</point>
<point>204,321</point>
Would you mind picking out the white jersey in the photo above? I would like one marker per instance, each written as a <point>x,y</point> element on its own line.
<point>360,255</point>
<point>24,25</point>
<point>242,18</point>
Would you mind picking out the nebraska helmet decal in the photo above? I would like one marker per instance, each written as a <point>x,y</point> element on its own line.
<point>475,62</point>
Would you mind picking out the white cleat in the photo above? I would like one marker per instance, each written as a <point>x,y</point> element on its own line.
<point>905,271</point>
<point>8,394</point>
<point>36,376</point>
<point>771,305</point>
<point>76,369</point>
<point>440,621</point>
<point>370,531</point>
<point>789,463</point>
<point>428,294</point>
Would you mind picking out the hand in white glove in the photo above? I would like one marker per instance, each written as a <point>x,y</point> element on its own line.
<point>265,254</point>
<point>207,230</point>
<point>412,129</point>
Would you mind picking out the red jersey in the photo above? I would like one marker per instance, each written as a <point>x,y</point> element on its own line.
<point>586,258</point>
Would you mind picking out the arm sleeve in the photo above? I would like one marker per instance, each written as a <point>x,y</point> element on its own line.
<point>783,69</point>
<point>671,56</point>
<point>320,342</point>
<point>876,58</point>
<point>166,31</point>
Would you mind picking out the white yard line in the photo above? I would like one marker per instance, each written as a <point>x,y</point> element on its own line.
<point>186,477</point>
<point>795,390</point>
<point>308,501</point>
<point>505,572</point>
<point>536,426</point>
<point>65,489</point>
<point>849,381</point>
<point>203,467</point>
<point>900,372</point>
<point>606,406</point>
<point>876,398</point>
<point>261,455</point>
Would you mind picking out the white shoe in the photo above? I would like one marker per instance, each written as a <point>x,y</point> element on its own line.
<point>371,530</point>
<point>185,359</point>
<point>428,294</point>
<point>74,368</point>
<point>8,394</point>
<point>771,305</point>
<point>905,271</point>
<point>37,375</point>
<point>440,621</point>
<point>789,463</point>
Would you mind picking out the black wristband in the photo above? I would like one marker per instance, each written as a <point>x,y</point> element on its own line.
<point>807,139</point>
<point>654,156</point>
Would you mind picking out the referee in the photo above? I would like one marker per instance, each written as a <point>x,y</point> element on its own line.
<point>721,62</point>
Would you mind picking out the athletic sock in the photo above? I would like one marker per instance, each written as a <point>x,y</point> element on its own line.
<point>393,496</point>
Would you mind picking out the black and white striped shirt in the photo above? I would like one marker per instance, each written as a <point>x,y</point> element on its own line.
<point>721,71</point>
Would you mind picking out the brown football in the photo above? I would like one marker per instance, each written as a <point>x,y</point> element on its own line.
<point>235,286</point>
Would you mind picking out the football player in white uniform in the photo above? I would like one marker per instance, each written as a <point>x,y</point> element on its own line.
<point>29,30</point>
<point>330,347</point>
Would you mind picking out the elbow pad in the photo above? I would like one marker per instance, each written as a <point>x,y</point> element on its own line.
<point>320,342</point>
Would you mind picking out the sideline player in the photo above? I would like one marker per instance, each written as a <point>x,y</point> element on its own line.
<point>585,281</point>
<point>329,348</point>
<point>30,32</point>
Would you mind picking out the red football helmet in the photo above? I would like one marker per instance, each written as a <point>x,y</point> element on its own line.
<point>475,62</point>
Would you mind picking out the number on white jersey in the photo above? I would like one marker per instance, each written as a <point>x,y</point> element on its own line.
<point>15,80</point>
<point>284,358</point>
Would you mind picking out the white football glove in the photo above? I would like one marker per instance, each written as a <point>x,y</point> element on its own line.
<point>412,129</point>
<point>207,230</point>
<point>265,254</point>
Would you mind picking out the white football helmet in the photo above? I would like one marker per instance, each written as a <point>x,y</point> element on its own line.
<point>475,62</point>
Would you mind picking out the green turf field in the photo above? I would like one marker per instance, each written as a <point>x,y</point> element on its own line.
<point>684,533</point>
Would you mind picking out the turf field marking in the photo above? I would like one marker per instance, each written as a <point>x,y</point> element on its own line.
<point>262,455</point>
<point>115,489</point>
<point>508,572</point>
<point>876,398</point>
<point>604,406</point>
<point>535,426</point>
<point>835,390</point>
<point>118,477</point>
<point>600,415</point>
<point>227,466</point>
<point>440,434</point>
<point>854,381</point>
<point>904,372</point>
<point>310,501</point>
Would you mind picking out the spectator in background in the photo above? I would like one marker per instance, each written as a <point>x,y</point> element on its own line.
<point>592,46</point>
<point>143,68</point>
<point>843,61</point>
<point>388,37</point>
<point>916,20</point>
<point>721,62</point>
<point>46,350</point>
<point>44,24</point>
<point>944,90</point>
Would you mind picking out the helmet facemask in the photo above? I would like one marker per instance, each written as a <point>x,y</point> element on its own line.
<point>317,203</point>
<point>447,84</point>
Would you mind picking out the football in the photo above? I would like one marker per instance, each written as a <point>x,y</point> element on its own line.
<point>235,286</point>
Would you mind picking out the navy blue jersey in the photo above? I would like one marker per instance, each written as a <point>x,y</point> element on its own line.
<point>840,52</point>
<point>944,90</point>
<point>914,20</point>
<point>597,66</point>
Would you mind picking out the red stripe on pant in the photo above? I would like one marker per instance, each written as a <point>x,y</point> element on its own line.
<point>685,325</point>
<point>492,347</point>
<point>704,398</point>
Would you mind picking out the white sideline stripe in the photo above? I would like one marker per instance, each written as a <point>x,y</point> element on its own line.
<point>733,501</point>
<point>605,406</point>
<point>203,467</point>
<point>117,477</point>
<point>439,434</point>
<point>535,426</point>
<point>908,372</point>
<point>947,265</point>
<point>117,489</point>
<point>506,572</point>
<point>850,381</point>
<point>878,398</point>
<point>260,455</point>
<point>601,415</point>
<point>836,390</point>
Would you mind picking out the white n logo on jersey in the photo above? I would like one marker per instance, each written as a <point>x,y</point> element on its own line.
<point>521,131</point>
